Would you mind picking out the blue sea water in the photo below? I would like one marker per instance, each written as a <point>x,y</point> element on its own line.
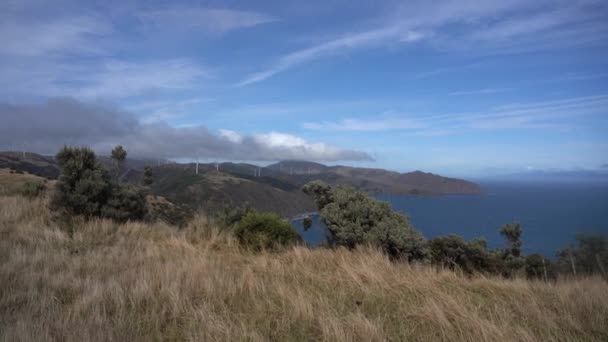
<point>551,214</point>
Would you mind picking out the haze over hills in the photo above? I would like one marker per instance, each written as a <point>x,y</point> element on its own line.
<point>275,187</point>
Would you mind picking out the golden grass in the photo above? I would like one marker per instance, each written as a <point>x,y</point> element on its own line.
<point>11,183</point>
<point>142,282</point>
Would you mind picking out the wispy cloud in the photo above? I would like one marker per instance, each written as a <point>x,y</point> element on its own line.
<point>123,79</point>
<point>365,125</point>
<point>207,20</point>
<point>63,36</point>
<point>554,114</point>
<point>490,22</point>
<point>335,46</point>
<point>480,91</point>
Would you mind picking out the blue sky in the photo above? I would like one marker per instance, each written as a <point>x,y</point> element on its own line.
<point>464,88</point>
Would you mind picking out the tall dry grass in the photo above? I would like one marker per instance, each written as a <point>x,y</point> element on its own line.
<point>138,282</point>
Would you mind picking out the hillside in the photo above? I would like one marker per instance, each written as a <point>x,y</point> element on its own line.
<point>212,190</point>
<point>146,282</point>
<point>273,188</point>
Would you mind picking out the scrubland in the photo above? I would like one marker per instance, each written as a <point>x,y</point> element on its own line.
<point>104,281</point>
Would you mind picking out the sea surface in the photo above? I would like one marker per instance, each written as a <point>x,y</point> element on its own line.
<point>551,214</point>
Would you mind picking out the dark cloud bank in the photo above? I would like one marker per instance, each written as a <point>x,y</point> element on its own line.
<point>46,127</point>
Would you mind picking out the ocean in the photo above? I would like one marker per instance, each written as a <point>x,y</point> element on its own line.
<point>550,214</point>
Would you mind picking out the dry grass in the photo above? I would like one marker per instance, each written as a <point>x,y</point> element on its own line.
<point>11,183</point>
<point>138,282</point>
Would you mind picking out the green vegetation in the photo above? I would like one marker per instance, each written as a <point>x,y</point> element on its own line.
<point>589,256</point>
<point>354,218</point>
<point>32,188</point>
<point>147,179</point>
<point>307,223</point>
<point>139,281</point>
<point>85,189</point>
<point>265,231</point>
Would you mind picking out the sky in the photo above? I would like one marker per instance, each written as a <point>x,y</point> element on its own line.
<point>456,87</point>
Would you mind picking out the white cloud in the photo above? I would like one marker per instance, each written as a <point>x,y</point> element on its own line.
<point>232,136</point>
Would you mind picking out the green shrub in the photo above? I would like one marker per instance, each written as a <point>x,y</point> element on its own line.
<point>307,223</point>
<point>32,189</point>
<point>232,215</point>
<point>126,203</point>
<point>85,188</point>
<point>453,251</point>
<point>354,218</point>
<point>265,231</point>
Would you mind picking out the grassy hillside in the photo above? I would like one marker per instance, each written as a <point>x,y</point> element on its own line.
<point>138,282</point>
<point>12,182</point>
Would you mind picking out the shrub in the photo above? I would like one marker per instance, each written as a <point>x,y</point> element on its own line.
<point>354,218</point>
<point>265,231</point>
<point>32,189</point>
<point>85,188</point>
<point>307,223</point>
<point>126,203</point>
<point>232,215</point>
<point>589,256</point>
<point>537,266</point>
<point>453,251</point>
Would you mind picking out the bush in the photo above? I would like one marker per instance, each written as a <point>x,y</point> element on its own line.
<point>232,215</point>
<point>453,251</point>
<point>589,256</point>
<point>265,231</point>
<point>126,203</point>
<point>85,188</point>
<point>32,189</point>
<point>307,223</point>
<point>354,218</point>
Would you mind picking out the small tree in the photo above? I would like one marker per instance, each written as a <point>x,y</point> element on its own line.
<point>307,223</point>
<point>147,178</point>
<point>354,218</point>
<point>119,155</point>
<point>512,255</point>
<point>84,186</point>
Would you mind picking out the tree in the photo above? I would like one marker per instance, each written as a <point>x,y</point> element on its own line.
<point>321,192</point>
<point>307,223</point>
<point>147,179</point>
<point>354,218</point>
<point>537,266</point>
<point>512,255</point>
<point>85,188</point>
<point>119,155</point>
<point>589,256</point>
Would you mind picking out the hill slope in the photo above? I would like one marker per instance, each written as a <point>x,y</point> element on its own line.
<point>138,282</point>
<point>273,188</point>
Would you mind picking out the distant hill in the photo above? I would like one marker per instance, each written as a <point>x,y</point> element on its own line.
<point>275,187</point>
<point>32,163</point>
